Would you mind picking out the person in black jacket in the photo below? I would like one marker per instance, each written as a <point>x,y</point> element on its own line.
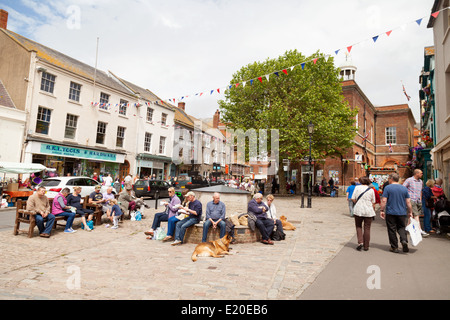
<point>259,209</point>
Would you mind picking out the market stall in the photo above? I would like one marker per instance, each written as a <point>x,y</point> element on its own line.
<point>12,191</point>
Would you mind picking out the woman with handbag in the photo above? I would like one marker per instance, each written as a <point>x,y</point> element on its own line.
<point>364,211</point>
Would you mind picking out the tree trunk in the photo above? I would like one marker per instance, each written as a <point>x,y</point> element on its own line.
<point>282,178</point>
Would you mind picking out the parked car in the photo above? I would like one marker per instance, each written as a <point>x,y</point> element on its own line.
<point>187,182</point>
<point>56,184</point>
<point>148,188</point>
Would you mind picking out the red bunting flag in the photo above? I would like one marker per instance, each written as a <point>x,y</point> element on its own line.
<point>260,79</point>
<point>404,91</point>
<point>388,33</point>
<point>218,90</point>
<point>285,71</point>
<point>435,14</point>
<point>237,85</point>
<point>315,60</point>
<point>349,49</point>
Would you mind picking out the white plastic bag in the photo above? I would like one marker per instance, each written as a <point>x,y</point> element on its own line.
<point>159,234</point>
<point>414,231</point>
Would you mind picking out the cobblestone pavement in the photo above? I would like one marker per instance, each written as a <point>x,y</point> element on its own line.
<point>123,264</point>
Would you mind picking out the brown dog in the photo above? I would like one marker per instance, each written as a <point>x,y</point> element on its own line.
<point>287,225</point>
<point>214,249</point>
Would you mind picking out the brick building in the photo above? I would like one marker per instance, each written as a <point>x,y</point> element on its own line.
<point>381,145</point>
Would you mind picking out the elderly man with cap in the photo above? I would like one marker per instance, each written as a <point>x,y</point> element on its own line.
<point>194,211</point>
<point>96,197</point>
<point>126,199</point>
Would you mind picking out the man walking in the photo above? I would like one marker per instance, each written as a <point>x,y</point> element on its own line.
<point>395,209</point>
<point>414,185</point>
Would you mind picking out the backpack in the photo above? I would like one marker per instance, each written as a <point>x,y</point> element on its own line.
<point>278,235</point>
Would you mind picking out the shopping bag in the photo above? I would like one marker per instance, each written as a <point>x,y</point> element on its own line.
<point>414,231</point>
<point>138,216</point>
<point>160,234</point>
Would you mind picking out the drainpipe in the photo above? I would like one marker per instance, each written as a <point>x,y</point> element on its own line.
<point>29,102</point>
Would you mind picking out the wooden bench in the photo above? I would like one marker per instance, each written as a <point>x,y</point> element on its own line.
<point>28,217</point>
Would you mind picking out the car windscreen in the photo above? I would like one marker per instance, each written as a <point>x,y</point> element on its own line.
<point>50,183</point>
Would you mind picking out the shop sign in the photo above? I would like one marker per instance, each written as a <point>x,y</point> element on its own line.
<point>77,152</point>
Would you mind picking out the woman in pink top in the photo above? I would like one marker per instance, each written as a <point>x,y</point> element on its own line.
<point>60,208</point>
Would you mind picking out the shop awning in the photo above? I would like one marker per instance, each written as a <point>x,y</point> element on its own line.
<point>144,156</point>
<point>18,167</point>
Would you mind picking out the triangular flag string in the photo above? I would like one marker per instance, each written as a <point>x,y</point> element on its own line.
<point>303,64</point>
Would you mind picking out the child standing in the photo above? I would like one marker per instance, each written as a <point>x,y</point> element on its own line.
<point>115,213</point>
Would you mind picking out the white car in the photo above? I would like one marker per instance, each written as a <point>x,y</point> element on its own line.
<point>56,184</point>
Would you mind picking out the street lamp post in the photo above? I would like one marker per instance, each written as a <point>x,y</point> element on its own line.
<point>310,131</point>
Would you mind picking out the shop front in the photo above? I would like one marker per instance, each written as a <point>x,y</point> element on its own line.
<point>158,166</point>
<point>73,160</point>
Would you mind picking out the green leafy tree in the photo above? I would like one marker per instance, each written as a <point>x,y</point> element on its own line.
<point>288,101</point>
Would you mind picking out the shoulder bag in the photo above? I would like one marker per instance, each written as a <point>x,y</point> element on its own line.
<point>359,197</point>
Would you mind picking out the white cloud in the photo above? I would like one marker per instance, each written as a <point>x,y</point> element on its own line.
<point>179,48</point>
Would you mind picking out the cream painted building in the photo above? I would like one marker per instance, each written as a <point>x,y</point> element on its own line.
<point>80,120</point>
<point>441,30</point>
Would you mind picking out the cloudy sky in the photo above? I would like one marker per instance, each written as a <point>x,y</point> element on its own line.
<point>180,48</point>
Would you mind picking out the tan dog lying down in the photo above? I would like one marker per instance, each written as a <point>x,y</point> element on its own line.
<point>287,225</point>
<point>214,249</point>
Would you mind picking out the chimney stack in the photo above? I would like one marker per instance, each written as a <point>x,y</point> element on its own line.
<point>3,19</point>
<point>182,105</point>
<point>216,119</point>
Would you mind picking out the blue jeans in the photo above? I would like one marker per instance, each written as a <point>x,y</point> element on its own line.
<point>70,217</point>
<point>161,216</point>
<point>222,226</point>
<point>181,227</point>
<point>350,206</point>
<point>48,226</point>
<point>426,217</point>
<point>171,224</point>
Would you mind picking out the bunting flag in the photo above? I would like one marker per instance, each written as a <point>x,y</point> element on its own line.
<point>404,91</point>
<point>435,14</point>
<point>367,135</point>
<point>303,65</point>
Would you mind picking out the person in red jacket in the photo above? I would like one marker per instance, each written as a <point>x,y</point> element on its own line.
<point>437,190</point>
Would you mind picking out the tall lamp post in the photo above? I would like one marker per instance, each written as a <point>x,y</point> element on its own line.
<point>310,131</point>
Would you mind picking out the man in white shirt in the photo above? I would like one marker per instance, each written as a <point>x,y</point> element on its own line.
<point>108,180</point>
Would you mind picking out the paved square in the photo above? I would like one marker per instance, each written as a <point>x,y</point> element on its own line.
<point>122,264</point>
